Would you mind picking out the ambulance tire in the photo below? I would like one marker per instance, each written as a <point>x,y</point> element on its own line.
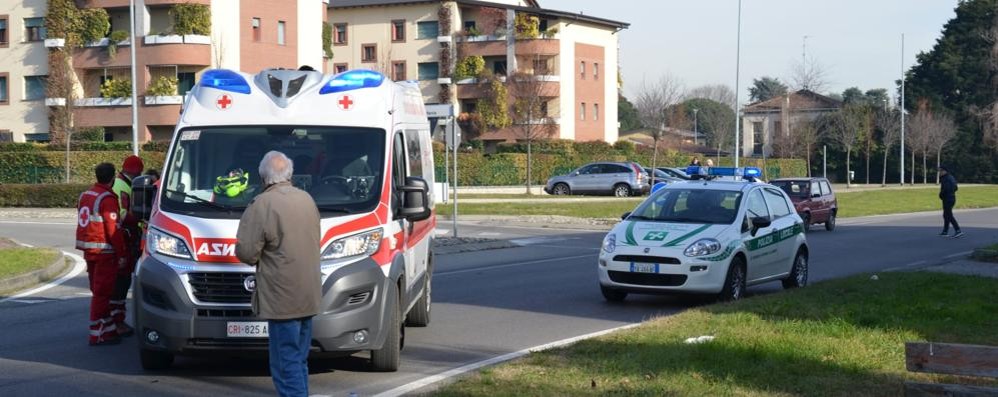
<point>734,284</point>
<point>613,295</point>
<point>419,315</point>
<point>155,360</point>
<point>388,357</point>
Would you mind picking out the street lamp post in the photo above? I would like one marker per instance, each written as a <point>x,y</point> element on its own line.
<point>135,102</point>
<point>738,59</point>
<point>696,129</point>
<point>901,108</point>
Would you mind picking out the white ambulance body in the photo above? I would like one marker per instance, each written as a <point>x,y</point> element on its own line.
<point>361,147</point>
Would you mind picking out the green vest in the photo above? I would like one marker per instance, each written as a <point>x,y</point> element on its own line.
<point>120,186</point>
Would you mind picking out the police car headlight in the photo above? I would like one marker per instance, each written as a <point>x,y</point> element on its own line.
<point>610,243</point>
<point>365,244</point>
<point>166,244</point>
<point>701,247</point>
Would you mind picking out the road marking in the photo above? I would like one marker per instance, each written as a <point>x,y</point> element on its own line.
<point>80,266</point>
<point>38,223</point>
<point>484,268</point>
<point>488,234</point>
<point>959,254</point>
<point>419,384</point>
<point>31,301</point>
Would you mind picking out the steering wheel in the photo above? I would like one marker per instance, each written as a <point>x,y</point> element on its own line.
<point>338,178</point>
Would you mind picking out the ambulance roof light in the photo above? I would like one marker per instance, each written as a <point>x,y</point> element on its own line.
<point>225,80</point>
<point>352,80</point>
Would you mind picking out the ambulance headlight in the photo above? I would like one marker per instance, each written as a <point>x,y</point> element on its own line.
<point>702,247</point>
<point>610,243</point>
<point>365,244</point>
<point>166,244</point>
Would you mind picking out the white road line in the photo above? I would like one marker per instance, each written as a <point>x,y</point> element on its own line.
<point>80,266</point>
<point>38,223</point>
<point>419,384</point>
<point>959,254</point>
<point>484,268</point>
<point>31,301</point>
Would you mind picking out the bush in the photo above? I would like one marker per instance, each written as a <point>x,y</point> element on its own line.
<point>59,195</point>
<point>327,40</point>
<point>21,147</point>
<point>116,37</point>
<point>116,88</point>
<point>468,67</point>
<point>95,24</point>
<point>527,26</point>
<point>92,134</point>
<point>156,146</point>
<point>163,86</point>
<point>49,166</point>
<point>191,19</point>
<point>624,147</point>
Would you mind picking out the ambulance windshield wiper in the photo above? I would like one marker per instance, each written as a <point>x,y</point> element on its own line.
<point>202,201</point>
<point>333,208</point>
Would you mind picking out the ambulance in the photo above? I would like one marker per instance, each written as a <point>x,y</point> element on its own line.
<point>360,145</point>
<point>716,235</point>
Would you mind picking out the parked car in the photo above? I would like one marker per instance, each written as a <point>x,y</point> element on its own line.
<point>813,198</point>
<point>618,179</point>
<point>662,176</point>
<point>675,172</point>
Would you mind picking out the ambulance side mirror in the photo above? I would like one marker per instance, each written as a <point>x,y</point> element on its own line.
<point>143,194</point>
<point>415,199</point>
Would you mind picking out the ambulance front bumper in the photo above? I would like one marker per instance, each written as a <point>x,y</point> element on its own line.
<point>630,269</point>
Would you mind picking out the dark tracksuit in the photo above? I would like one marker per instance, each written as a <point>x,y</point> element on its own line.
<point>947,193</point>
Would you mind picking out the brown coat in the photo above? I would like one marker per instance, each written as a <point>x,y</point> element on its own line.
<point>279,234</point>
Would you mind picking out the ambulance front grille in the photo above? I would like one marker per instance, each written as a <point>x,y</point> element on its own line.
<point>220,287</point>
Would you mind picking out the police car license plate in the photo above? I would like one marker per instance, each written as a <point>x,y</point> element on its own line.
<point>644,267</point>
<point>252,329</point>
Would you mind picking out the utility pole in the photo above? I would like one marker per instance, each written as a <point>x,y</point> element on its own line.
<point>803,53</point>
<point>696,133</point>
<point>738,59</point>
<point>901,107</point>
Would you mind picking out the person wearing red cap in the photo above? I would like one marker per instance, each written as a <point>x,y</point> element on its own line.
<point>131,168</point>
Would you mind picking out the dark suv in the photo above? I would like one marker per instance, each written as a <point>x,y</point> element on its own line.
<point>814,199</point>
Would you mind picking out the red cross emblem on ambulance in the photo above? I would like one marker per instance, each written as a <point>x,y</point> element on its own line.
<point>345,102</point>
<point>224,102</point>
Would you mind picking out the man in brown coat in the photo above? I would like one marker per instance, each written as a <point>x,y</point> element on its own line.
<point>279,234</point>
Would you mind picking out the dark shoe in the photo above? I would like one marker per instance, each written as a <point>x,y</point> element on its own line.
<point>958,234</point>
<point>944,234</point>
<point>124,330</point>
<point>114,340</point>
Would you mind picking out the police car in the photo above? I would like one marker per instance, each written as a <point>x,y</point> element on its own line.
<point>716,234</point>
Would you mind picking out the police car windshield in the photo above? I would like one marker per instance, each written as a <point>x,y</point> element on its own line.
<point>690,206</point>
<point>340,167</point>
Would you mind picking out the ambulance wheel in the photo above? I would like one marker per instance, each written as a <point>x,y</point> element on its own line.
<point>387,358</point>
<point>561,189</point>
<point>622,190</point>
<point>419,316</point>
<point>613,295</point>
<point>734,283</point>
<point>153,360</point>
<point>798,273</point>
<point>830,224</point>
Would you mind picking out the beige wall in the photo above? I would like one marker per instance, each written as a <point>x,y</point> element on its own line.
<point>20,59</point>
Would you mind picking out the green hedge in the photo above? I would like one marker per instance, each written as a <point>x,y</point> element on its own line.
<point>49,166</point>
<point>82,146</point>
<point>42,196</point>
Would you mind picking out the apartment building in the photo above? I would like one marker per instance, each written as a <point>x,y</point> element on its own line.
<point>247,35</point>
<point>572,56</point>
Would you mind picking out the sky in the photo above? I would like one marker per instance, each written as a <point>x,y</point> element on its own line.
<point>858,42</point>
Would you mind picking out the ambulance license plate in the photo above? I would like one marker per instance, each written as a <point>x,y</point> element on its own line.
<point>644,267</point>
<point>251,329</point>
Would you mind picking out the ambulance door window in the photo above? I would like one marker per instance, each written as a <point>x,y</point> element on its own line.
<point>398,170</point>
<point>414,156</point>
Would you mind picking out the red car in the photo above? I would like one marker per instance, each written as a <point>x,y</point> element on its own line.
<point>814,199</point>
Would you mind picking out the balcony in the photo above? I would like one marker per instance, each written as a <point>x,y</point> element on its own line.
<point>469,89</point>
<point>497,47</point>
<point>100,114</point>
<point>124,3</point>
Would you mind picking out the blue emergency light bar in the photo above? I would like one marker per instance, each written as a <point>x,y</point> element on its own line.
<point>748,173</point>
<point>352,80</point>
<point>225,80</point>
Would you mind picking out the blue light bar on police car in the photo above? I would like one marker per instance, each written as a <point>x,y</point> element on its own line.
<point>352,80</point>
<point>744,172</point>
<point>225,80</point>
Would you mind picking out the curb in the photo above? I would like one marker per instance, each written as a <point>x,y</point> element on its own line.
<point>985,255</point>
<point>473,247</point>
<point>35,277</point>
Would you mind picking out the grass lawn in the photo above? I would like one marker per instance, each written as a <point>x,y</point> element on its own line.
<point>851,204</point>
<point>20,260</point>
<point>843,337</point>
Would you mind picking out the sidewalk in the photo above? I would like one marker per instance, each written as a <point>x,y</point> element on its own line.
<point>967,267</point>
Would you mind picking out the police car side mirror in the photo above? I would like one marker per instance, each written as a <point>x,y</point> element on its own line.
<point>624,217</point>
<point>143,194</point>
<point>415,199</point>
<point>760,223</point>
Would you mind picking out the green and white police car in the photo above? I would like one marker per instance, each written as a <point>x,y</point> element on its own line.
<point>716,234</point>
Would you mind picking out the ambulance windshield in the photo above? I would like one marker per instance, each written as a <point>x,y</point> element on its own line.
<point>214,171</point>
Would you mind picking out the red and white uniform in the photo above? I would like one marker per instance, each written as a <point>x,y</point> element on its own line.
<point>99,236</point>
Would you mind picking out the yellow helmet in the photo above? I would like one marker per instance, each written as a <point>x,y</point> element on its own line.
<point>232,184</point>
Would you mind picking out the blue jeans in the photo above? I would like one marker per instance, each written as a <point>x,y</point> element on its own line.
<point>289,344</point>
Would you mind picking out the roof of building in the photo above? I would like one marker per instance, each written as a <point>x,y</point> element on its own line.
<point>533,8</point>
<point>799,100</point>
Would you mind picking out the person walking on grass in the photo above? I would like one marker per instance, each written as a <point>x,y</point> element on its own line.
<point>279,235</point>
<point>947,193</point>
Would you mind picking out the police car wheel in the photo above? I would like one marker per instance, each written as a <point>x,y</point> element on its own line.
<point>798,273</point>
<point>562,189</point>
<point>613,295</point>
<point>153,360</point>
<point>734,283</point>
<point>622,190</point>
<point>830,224</point>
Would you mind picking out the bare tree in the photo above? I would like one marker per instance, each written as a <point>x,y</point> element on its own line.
<point>918,138</point>
<point>529,97</point>
<point>943,131</point>
<point>844,129</point>
<point>652,102</point>
<point>715,92</point>
<point>890,132</point>
<point>806,131</point>
<point>809,74</point>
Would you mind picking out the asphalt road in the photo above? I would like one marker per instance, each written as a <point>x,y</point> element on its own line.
<point>486,304</point>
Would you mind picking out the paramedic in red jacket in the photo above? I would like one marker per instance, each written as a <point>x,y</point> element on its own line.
<point>99,236</point>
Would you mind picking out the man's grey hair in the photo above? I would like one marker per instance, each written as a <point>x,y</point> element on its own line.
<point>276,168</point>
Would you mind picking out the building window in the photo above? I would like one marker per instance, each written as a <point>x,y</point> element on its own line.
<point>4,89</point>
<point>340,67</point>
<point>340,34</point>
<point>34,29</point>
<point>369,53</point>
<point>582,70</point>
<point>595,112</point>
<point>34,88</point>
<point>542,25</point>
<point>3,31</point>
<point>429,70</point>
<point>6,136</point>
<point>582,111</point>
<point>398,70</point>
<point>256,29</point>
<point>499,68</point>
<point>595,71</point>
<point>758,139</point>
<point>544,109</point>
<point>185,82</point>
<point>398,31</point>
<point>470,26</point>
<point>541,67</point>
<point>427,30</point>
<point>280,32</point>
